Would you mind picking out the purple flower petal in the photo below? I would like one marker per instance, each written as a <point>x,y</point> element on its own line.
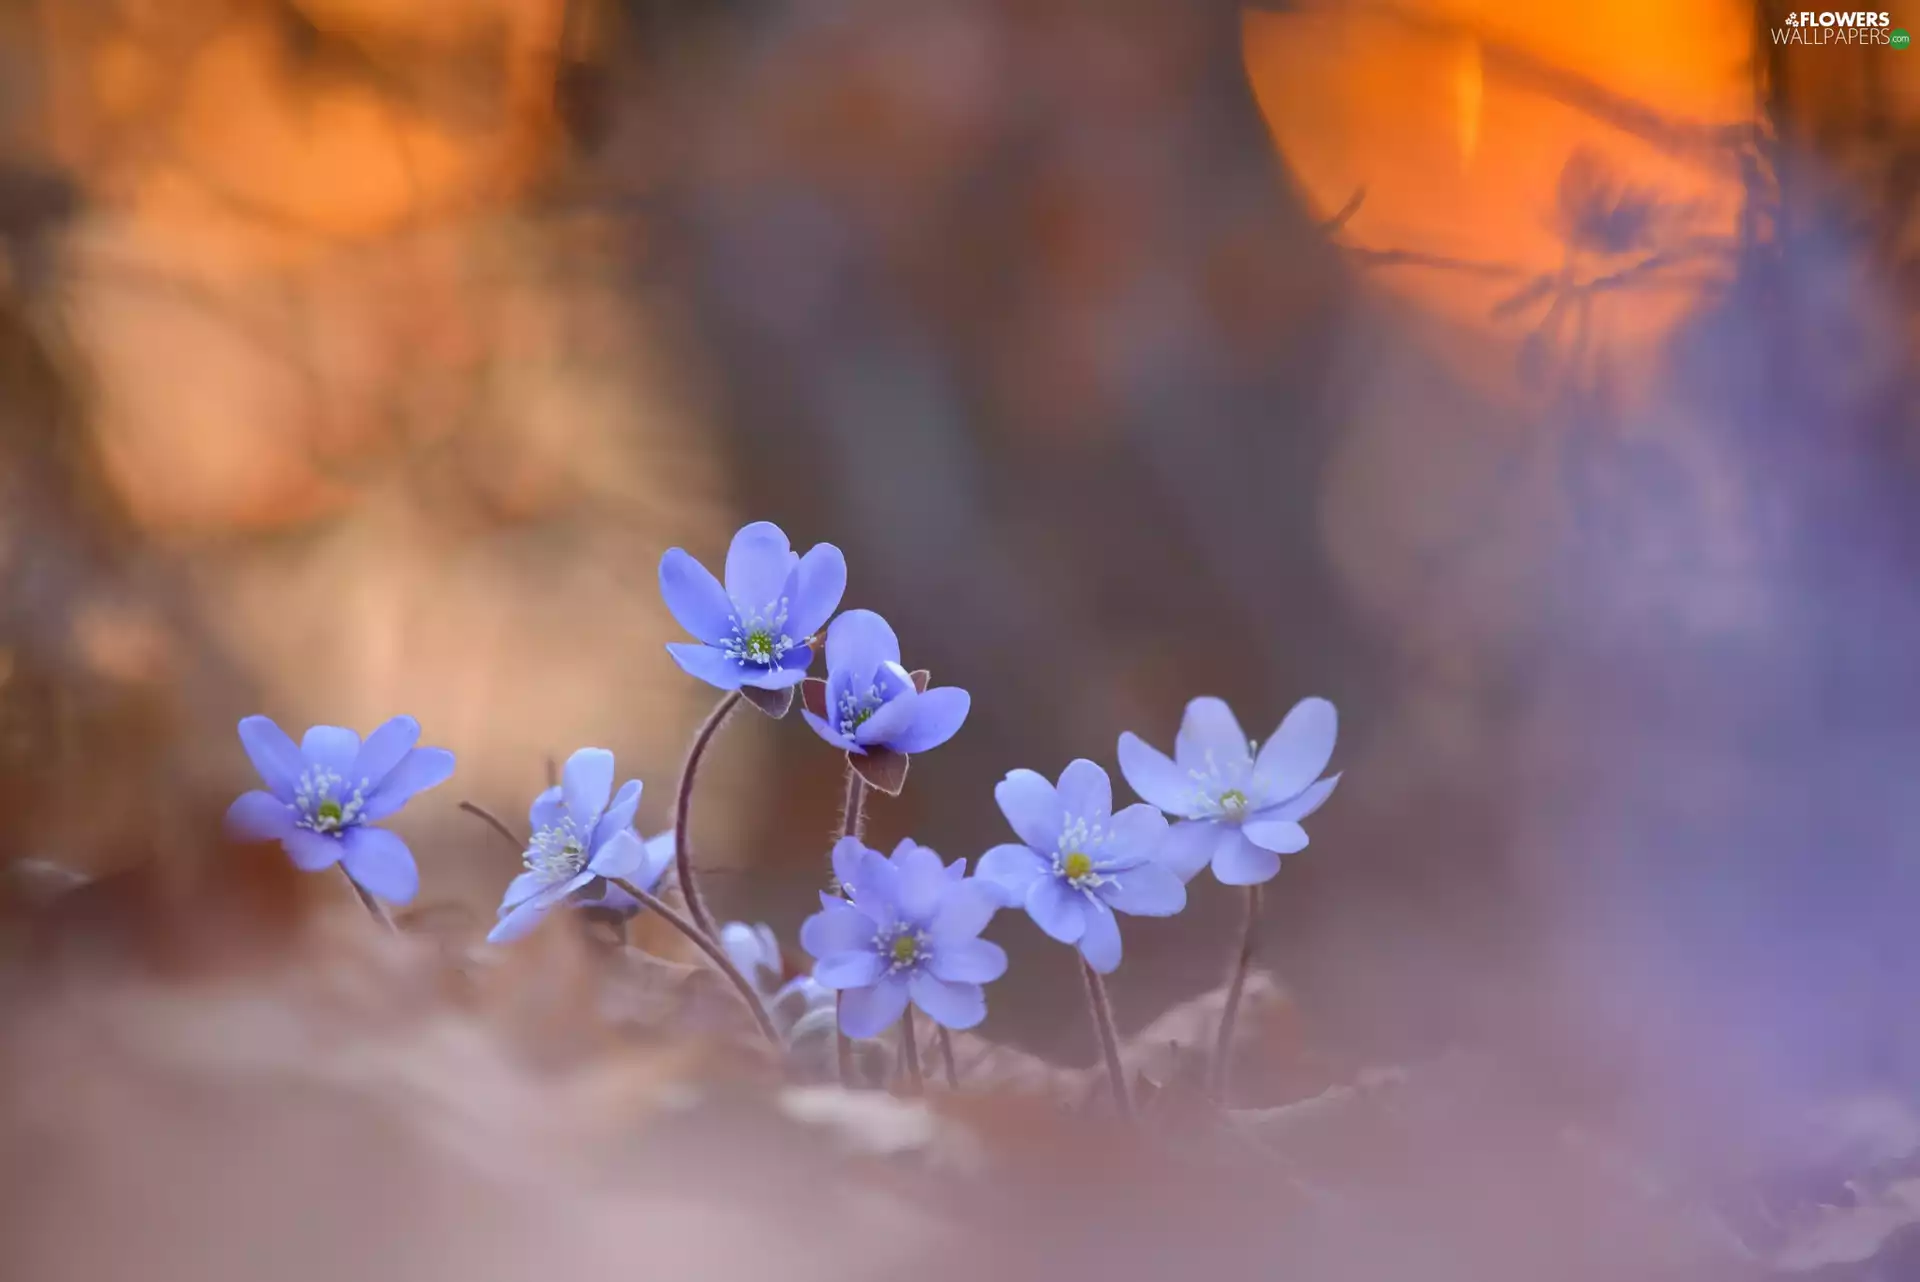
<point>868,1012</point>
<point>969,961</point>
<point>381,863</point>
<point>586,782</point>
<point>1154,777</point>
<point>1100,943</point>
<point>853,969</point>
<point>1210,737</point>
<point>1281,836</point>
<point>660,851</point>
<point>781,678</point>
<point>1011,871</point>
<point>936,717</point>
<point>622,856</point>
<point>858,643</point>
<point>273,755</point>
<point>890,721</point>
<point>923,882</point>
<point>1238,862</point>
<point>420,769</point>
<point>849,858</point>
<point>524,918</point>
<point>1032,807</point>
<point>1298,751</point>
<point>1189,846</point>
<point>310,851</point>
<point>1135,836</point>
<point>759,563</point>
<point>838,927</point>
<point>1085,792</point>
<point>695,598</point>
<point>818,586</point>
<point>1058,909</point>
<point>334,747</point>
<point>948,1004</point>
<point>547,809</point>
<point>618,816</point>
<point>1299,807</point>
<point>965,909</point>
<point>383,749</point>
<point>521,889</point>
<point>708,664</point>
<point>843,742</point>
<point>259,816</point>
<point>1150,890</point>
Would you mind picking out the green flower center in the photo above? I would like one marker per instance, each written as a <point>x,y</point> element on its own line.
<point>1077,865</point>
<point>905,950</point>
<point>329,811</point>
<point>1233,799</point>
<point>758,646</point>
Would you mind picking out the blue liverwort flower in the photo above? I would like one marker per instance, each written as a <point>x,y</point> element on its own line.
<point>1240,812</point>
<point>755,630</point>
<point>870,702</point>
<point>323,796</point>
<point>1081,863</point>
<point>582,832</point>
<point>911,934</point>
<point>613,899</point>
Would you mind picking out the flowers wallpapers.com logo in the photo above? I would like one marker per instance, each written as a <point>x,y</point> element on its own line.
<point>1832,27</point>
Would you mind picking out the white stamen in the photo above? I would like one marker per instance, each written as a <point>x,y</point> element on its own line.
<point>760,636</point>
<point>557,851</point>
<point>325,805</point>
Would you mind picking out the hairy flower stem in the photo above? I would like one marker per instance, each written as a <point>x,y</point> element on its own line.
<point>853,818</point>
<point>682,804</point>
<point>1109,1040</point>
<point>910,1053</point>
<point>714,953</point>
<point>946,1060</point>
<point>368,902</point>
<point>1223,1044</point>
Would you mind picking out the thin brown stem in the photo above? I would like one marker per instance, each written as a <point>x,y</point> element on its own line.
<point>714,952</point>
<point>946,1060</point>
<point>368,902</point>
<point>682,807</point>
<point>1109,1040</point>
<point>853,818</point>
<point>1223,1044</point>
<point>493,821</point>
<point>910,1053</point>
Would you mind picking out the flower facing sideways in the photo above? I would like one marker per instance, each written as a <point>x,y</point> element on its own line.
<point>1239,811</point>
<point>872,708</point>
<point>1081,863</point>
<point>582,833</point>
<point>322,797</point>
<point>911,934</point>
<point>755,630</point>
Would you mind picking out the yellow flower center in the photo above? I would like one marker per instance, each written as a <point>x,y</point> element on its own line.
<point>1077,865</point>
<point>329,811</point>
<point>905,950</point>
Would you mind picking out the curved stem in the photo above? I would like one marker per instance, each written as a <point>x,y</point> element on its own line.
<point>946,1060</point>
<point>682,804</point>
<point>714,952</point>
<point>910,1053</point>
<point>853,818</point>
<point>368,902</point>
<point>1223,1044</point>
<point>1109,1040</point>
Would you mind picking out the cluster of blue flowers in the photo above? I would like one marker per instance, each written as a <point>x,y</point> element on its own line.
<point>896,930</point>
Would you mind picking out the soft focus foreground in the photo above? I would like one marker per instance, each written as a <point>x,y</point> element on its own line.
<point>1540,389</point>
